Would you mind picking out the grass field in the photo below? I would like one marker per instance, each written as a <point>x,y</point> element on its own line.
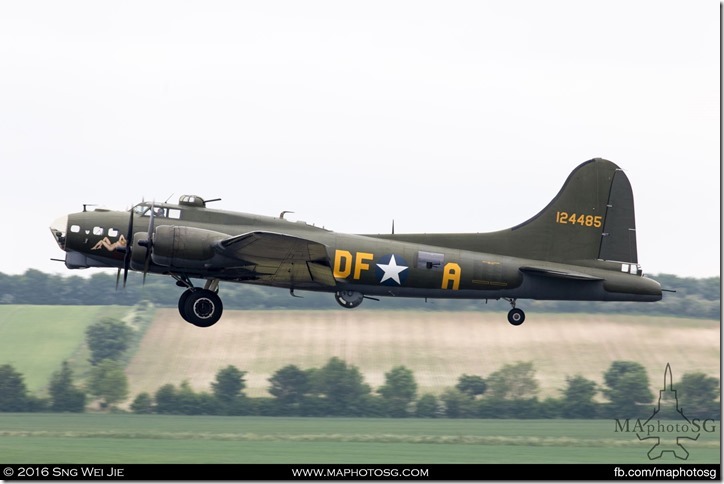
<point>137,439</point>
<point>36,339</point>
<point>437,346</point>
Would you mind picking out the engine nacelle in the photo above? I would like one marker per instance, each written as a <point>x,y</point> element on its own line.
<point>183,246</point>
<point>138,252</point>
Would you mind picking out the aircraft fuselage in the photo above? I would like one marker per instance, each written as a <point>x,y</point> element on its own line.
<point>582,246</point>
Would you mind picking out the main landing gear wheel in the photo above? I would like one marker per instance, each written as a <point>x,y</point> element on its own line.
<point>182,302</point>
<point>200,307</point>
<point>516,316</point>
<point>349,299</point>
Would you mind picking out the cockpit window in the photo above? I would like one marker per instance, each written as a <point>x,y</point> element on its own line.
<point>144,210</point>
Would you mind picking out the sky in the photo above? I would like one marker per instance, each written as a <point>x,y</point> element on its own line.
<point>444,116</point>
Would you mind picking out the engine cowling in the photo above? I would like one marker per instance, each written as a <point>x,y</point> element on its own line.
<point>138,252</point>
<point>183,246</point>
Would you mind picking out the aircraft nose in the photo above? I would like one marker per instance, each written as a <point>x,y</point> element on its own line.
<point>59,228</point>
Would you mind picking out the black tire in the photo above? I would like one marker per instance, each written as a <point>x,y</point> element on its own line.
<point>182,303</point>
<point>516,316</point>
<point>202,308</point>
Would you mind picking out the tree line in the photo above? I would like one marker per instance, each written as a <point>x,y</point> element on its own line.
<point>697,298</point>
<point>338,389</point>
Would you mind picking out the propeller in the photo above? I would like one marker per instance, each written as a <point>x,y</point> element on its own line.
<point>127,256</point>
<point>148,243</point>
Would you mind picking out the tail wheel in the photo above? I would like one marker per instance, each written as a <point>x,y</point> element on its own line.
<point>516,316</point>
<point>201,307</point>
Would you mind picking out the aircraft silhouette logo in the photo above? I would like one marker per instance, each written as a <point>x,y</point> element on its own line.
<point>668,435</point>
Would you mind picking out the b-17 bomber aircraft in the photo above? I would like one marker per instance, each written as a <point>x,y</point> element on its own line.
<point>582,247</point>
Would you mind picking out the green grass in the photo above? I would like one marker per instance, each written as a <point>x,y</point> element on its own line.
<point>138,439</point>
<point>36,339</point>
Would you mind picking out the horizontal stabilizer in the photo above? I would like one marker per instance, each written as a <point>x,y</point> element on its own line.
<point>542,271</point>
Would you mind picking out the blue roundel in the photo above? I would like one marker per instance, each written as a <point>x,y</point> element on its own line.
<point>391,270</point>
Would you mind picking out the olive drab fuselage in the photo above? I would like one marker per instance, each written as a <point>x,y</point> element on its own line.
<point>582,246</point>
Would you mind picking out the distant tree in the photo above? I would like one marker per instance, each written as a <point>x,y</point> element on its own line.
<point>108,339</point>
<point>342,387</point>
<point>514,381</point>
<point>185,401</point>
<point>229,385</point>
<point>426,406</point>
<point>578,398</point>
<point>108,382</point>
<point>142,404</point>
<point>13,393</point>
<point>551,408</point>
<point>398,391</point>
<point>166,399</point>
<point>289,385</point>
<point>627,389</point>
<point>64,395</point>
<point>457,404</point>
<point>189,402</point>
<point>471,385</point>
<point>698,394</point>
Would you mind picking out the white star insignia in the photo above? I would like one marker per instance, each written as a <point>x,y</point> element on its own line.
<point>392,270</point>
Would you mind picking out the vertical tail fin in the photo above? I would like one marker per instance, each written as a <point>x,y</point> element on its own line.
<point>592,217</point>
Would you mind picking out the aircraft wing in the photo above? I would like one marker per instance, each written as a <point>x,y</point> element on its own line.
<point>558,274</point>
<point>280,258</point>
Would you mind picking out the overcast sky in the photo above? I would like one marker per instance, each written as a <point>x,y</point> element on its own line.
<point>446,116</point>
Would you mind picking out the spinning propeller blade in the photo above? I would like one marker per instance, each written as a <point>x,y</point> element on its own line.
<point>149,242</point>
<point>127,256</point>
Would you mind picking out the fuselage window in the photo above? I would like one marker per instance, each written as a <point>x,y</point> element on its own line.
<point>112,232</point>
<point>75,228</point>
<point>174,213</point>
<point>632,269</point>
<point>97,230</point>
<point>430,260</point>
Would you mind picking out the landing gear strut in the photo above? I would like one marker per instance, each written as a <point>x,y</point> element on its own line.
<point>515,316</point>
<point>201,307</point>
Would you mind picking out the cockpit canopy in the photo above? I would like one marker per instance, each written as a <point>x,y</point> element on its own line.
<point>144,210</point>
<point>164,211</point>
